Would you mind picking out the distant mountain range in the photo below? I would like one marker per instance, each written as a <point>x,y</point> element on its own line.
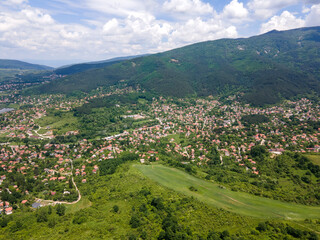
<point>266,68</point>
<point>11,70</point>
<point>81,67</point>
<point>15,64</point>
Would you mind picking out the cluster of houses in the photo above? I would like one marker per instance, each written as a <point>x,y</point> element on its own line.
<point>193,130</point>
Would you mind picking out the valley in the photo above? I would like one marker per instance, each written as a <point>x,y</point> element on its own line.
<point>216,140</point>
<point>257,165</point>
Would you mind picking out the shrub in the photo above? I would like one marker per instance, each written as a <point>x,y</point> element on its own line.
<point>135,221</point>
<point>115,208</point>
<point>60,209</point>
<point>79,218</point>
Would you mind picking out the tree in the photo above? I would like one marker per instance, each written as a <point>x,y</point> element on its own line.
<point>225,234</point>
<point>135,221</point>
<point>116,208</point>
<point>212,235</point>
<point>49,210</point>
<point>42,215</point>
<point>52,221</point>
<point>262,227</point>
<point>157,203</point>
<point>258,151</point>
<point>70,183</point>
<point>60,209</point>
<point>79,217</point>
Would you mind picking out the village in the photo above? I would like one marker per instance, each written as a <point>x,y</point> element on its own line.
<point>194,131</point>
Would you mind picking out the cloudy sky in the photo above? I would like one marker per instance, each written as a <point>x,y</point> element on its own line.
<point>57,32</point>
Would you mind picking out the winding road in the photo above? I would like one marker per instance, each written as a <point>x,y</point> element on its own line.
<point>51,202</point>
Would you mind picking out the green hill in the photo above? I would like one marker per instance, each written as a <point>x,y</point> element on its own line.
<point>267,68</point>
<point>82,67</point>
<point>15,64</point>
<point>213,194</point>
<point>12,70</point>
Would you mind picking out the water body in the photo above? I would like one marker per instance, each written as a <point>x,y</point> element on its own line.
<point>4,110</point>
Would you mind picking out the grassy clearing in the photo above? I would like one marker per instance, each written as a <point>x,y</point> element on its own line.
<point>237,202</point>
<point>62,124</point>
<point>315,158</point>
<point>127,189</point>
<point>141,122</point>
<point>82,204</point>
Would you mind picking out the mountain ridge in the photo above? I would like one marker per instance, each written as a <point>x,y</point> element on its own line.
<point>267,68</point>
<point>21,65</point>
<point>82,67</point>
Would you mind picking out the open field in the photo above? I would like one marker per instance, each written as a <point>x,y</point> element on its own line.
<point>214,195</point>
<point>315,158</point>
<point>83,203</point>
<point>62,124</point>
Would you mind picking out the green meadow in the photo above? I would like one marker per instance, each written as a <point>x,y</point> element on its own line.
<point>315,158</point>
<point>217,196</point>
<point>60,123</point>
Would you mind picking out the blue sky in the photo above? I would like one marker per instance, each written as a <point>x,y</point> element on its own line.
<point>58,32</point>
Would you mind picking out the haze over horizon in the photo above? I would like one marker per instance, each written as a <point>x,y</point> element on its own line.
<point>60,32</point>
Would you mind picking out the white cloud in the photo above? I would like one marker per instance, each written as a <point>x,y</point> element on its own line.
<point>32,31</point>
<point>141,29</point>
<point>8,22</point>
<point>14,2</point>
<point>119,8</point>
<point>196,30</point>
<point>144,33</point>
<point>111,26</point>
<point>37,16</point>
<point>266,8</point>
<point>188,7</point>
<point>29,31</point>
<point>305,9</point>
<point>235,11</point>
<point>134,26</point>
<point>311,1</point>
<point>313,19</point>
<point>283,22</point>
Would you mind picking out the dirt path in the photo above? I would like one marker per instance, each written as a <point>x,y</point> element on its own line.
<point>42,136</point>
<point>51,202</point>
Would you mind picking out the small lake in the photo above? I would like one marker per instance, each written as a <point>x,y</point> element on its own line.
<point>4,110</point>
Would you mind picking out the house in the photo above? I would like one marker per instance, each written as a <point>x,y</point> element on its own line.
<point>61,178</point>
<point>8,210</point>
<point>24,201</point>
<point>36,205</point>
<point>278,151</point>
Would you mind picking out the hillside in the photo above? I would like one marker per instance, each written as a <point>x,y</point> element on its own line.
<point>82,67</point>
<point>12,70</point>
<point>267,68</point>
<point>15,64</point>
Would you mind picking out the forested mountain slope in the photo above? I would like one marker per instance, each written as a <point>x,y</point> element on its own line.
<point>15,64</point>
<point>267,68</point>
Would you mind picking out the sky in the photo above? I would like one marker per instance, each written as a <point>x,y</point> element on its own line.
<point>59,32</point>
